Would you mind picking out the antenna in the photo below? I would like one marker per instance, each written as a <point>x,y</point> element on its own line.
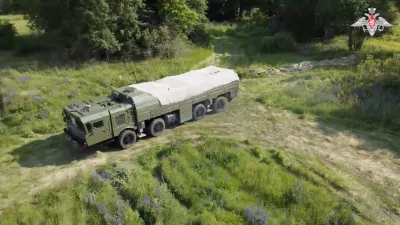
<point>87,108</point>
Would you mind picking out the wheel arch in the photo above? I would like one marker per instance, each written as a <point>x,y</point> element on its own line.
<point>127,128</point>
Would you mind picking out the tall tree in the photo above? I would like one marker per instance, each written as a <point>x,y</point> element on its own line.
<point>108,28</point>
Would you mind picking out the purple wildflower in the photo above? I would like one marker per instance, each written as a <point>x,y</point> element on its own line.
<point>107,218</point>
<point>256,217</point>
<point>120,207</point>
<point>101,208</point>
<point>105,175</point>
<point>376,88</point>
<point>328,220</point>
<point>360,92</point>
<point>92,198</point>
<point>228,179</point>
<point>159,192</point>
<point>352,217</point>
<point>154,205</point>
<point>23,79</point>
<point>162,178</point>
<point>12,93</point>
<point>146,200</point>
<point>391,99</point>
<point>248,213</point>
<point>118,220</point>
<point>263,217</point>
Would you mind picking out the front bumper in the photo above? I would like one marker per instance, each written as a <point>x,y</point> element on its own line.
<point>73,138</point>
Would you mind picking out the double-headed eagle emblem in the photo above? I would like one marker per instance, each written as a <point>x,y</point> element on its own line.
<point>370,23</point>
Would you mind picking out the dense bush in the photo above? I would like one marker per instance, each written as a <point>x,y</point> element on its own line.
<point>34,43</point>
<point>200,36</point>
<point>9,6</point>
<point>136,28</point>
<point>311,20</point>
<point>7,35</point>
<point>116,29</point>
<point>384,72</point>
<point>280,42</point>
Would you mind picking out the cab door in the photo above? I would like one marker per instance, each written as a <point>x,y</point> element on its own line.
<point>99,130</point>
<point>120,122</point>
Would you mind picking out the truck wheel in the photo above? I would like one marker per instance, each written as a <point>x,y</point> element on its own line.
<point>199,112</point>
<point>157,126</point>
<point>126,139</point>
<point>219,105</point>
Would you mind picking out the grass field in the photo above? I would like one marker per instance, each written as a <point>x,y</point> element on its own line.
<point>204,181</point>
<point>307,165</point>
<point>20,23</point>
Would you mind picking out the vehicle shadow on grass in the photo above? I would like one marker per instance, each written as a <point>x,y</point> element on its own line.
<point>58,151</point>
<point>53,151</point>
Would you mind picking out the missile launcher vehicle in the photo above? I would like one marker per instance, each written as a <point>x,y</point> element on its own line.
<point>148,108</point>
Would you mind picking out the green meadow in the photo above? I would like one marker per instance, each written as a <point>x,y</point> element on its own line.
<point>308,147</point>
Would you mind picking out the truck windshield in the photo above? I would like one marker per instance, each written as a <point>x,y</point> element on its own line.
<point>78,123</point>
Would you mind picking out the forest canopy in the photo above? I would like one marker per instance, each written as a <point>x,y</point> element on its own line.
<point>157,28</point>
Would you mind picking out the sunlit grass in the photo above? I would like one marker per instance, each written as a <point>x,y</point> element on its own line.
<point>210,182</point>
<point>20,23</point>
<point>242,50</point>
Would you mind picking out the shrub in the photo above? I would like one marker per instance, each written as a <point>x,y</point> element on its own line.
<point>162,42</point>
<point>280,42</point>
<point>108,29</point>
<point>7,35</point>
<point>376,71</point>
<point>200,36</point>
<point>30,44</point>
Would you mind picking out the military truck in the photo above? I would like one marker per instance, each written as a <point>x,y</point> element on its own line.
<point>146,109</point>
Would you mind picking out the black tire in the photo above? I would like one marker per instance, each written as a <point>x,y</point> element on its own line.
<point>219,105</point>
<point>156,127</point>
<point>199,111</point>
<point>126,139</point>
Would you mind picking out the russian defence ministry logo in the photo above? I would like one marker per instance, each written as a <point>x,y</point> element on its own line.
<point>370,22</point>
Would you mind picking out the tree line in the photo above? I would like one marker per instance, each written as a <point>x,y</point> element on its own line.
<point>150,28</point>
